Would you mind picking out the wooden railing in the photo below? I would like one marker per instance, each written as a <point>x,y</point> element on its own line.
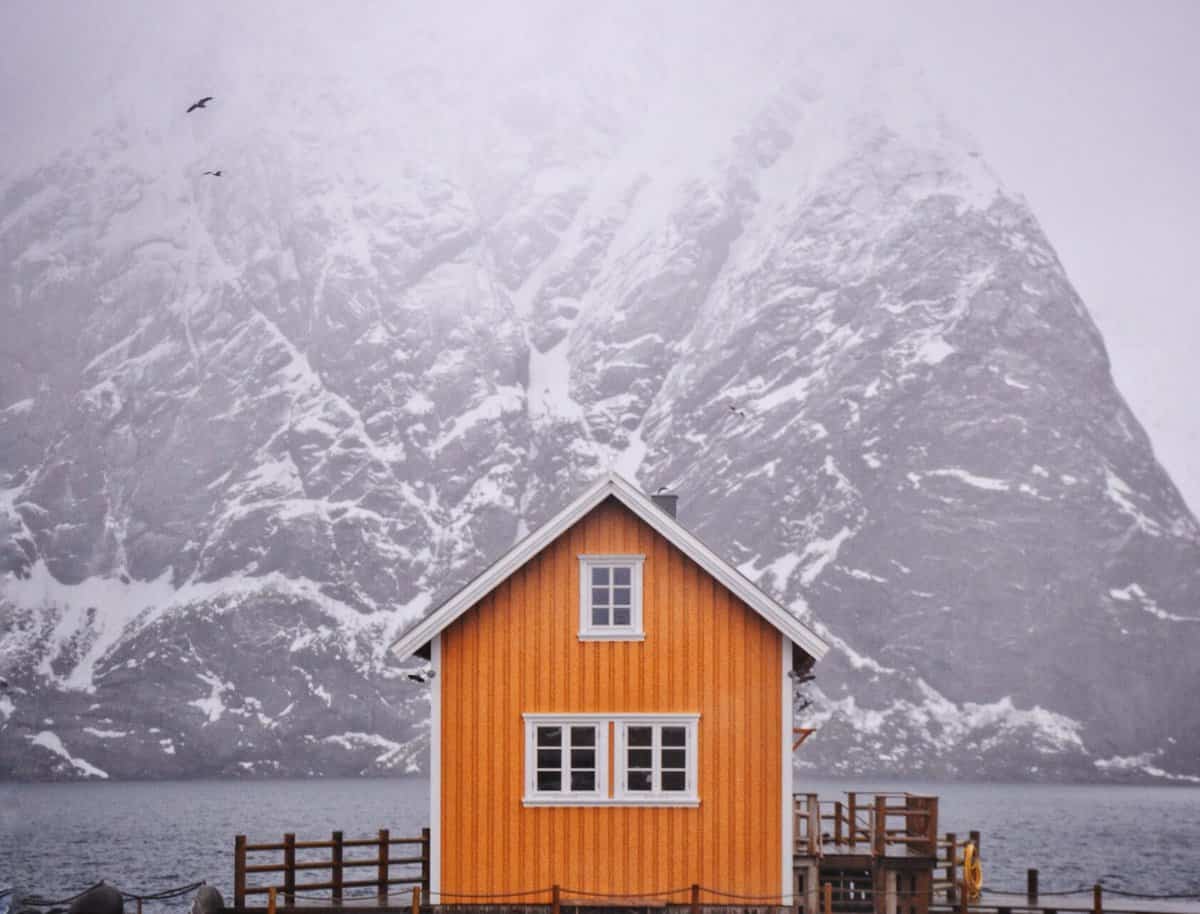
<point>873,824</point>
<point>950,853</point>
<point>414,866</point>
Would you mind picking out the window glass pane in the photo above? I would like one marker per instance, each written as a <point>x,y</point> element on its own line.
<point>583,780</point>
<point>641,758</point>
<point>600,575</point>
<point>583,736</point>
<point>621,576</point>
<point>674,736</point>
<point>641,736</point>
<point>674,780</point>
<point>549,758</point>
<point>549,780</point>
<point>621,596</point>
<point>621,616</point>
<point>599,596</point>
<point>674,758</point>
<point>640,780</point>
<point>549,736</point>
<point>583,758</point>
<point>600,615</point>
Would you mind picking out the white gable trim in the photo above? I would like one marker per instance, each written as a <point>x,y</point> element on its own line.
<point>641,505</point>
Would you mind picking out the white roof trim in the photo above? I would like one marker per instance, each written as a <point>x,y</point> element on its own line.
<point>641,505</point>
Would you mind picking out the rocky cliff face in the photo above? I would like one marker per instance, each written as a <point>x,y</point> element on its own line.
<point>250,426</point>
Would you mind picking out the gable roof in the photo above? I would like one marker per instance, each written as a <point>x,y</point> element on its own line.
<point>616,486</point>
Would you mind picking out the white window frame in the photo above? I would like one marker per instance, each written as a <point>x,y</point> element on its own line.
<point>634,631</point>
<point>656,797</point>
<point>566,797</point>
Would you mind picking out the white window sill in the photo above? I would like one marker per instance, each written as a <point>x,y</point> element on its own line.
<point>612,636</point>
<point>611,801</point>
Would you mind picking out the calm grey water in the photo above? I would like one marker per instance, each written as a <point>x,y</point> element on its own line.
<point>57,838</point>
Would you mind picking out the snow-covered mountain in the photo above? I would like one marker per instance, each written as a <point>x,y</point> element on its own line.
<point>251,425</point>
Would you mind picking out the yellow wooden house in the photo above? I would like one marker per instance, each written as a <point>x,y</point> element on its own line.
<point>612,713</point>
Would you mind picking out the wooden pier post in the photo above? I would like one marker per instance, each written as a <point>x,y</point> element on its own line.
<point>383,870</point>
<point>695,898</point>
<point>239,871</point>
<point>837,822</point>
<point>952,867</point>
<point>975,840</point>
<point>272,900</point>
<point>812,887</point>
<point>1031,885</point>
<point>556,899</point>
<point>337,866</point>
<point>828,898</point>
<point>880,844</point>
<point>853,803</point>
<point>416,899</point>
<point>289,869</point>
<point>1097,899</point>
<point>426,858</point>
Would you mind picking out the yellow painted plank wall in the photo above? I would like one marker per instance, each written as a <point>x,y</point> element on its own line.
<point>518,652</point>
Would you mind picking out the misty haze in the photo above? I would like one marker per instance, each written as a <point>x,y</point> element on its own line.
<point>307,315</point>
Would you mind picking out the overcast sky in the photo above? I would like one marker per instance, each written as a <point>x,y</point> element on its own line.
<point>1087,108</point>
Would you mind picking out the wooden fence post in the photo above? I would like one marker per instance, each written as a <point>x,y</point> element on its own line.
<point>337,866</point>
<point>952,867</point>
<point>382,872</point>
<point>1031,885</point>
<point>976,841</point>
<point>416,900</point>
<point>827,890</point>
<point>556,899</point>
<point>239,871</point>
<point>272,901</point>
<point>695,898</point>
<point>1097,899</point>
<point>880,843</point>
<point>837,822</point>
<point>853,800</point>
<point>289,870</point>
<point>426,860</point>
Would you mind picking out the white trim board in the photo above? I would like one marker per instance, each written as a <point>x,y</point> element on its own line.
<point>435,769</point>
<point>787,712</point>
<point>614,485</point>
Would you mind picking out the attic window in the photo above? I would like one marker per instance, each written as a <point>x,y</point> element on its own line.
<point>610,597</point>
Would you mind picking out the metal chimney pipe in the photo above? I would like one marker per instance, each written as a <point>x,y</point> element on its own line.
<point>666,502</point>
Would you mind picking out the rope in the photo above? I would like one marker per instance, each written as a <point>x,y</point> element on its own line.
<point>37,901</point>
<point>586,894</point>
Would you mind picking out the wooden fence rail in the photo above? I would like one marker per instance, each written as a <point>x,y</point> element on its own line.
<point>415,866</point>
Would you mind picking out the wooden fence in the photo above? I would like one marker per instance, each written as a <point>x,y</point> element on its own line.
<point>414,866</point>
<point>876,825</point>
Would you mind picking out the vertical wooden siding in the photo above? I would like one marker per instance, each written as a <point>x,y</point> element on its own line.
<point>518,652</point>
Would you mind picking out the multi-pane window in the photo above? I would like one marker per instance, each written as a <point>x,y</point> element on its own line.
<point>610,597</point>
<point>657,759</point>
<point>566,760</point>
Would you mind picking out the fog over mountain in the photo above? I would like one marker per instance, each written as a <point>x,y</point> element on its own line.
<point>456,266</point>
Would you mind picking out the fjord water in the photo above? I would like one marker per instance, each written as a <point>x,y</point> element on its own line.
<point>146,836</point>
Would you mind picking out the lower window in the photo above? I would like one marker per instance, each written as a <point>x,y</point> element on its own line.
<point>656,760</point>
<point>566,760</point>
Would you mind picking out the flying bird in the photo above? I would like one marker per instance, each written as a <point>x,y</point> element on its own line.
<point>737,411</point>
<point>215,174</point>
<point>200,104</point>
